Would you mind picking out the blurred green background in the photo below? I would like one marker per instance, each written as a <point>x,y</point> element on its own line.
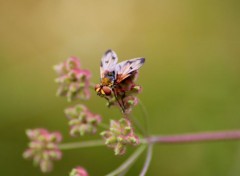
<point>190,79</point>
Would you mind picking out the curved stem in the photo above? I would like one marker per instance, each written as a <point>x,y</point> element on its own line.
<point>148,160</point>
<point>85,144</point>
<point>195,137</point>
<point>138,125</point>
<point>103,125</point>
<point>128,162</point>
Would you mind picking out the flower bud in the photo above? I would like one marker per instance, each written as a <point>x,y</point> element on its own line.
<point>73,81</point>
<point>120,135</point>
<point>81,120</point>
<point>43,148</point>
<point>78,171</point>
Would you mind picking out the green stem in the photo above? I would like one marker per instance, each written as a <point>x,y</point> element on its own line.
<point>74,145</point>
<point>148,160</point>
<point>138,125</point>
<point>103,125</point>
<point>128,162</point>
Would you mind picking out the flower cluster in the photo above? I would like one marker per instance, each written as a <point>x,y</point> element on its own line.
<point>120,134</point>
<point>78,171</point>
<point>117,86</point>
<point>81,120</point>
<point>73,81</point>
<point>43,148</point>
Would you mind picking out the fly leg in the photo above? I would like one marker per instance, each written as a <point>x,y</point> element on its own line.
<point>122,97</point>
<point>121,105</point>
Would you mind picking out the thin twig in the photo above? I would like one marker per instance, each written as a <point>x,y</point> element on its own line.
<point>84,144</point>
<point>195,137</point>
<point>103,125</point>
<point>138,124</point>
<point>123,173</point>
<point>128,162</point>
<point>148,160</point>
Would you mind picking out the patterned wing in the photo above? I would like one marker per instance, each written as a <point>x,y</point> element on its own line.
<point>125,68</point>
<point>108,62</point>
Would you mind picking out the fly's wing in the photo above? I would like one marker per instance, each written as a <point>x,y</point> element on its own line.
<point>125,68</point>
<point>108,62</point>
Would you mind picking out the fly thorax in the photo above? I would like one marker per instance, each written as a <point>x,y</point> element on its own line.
<point>107,81</point>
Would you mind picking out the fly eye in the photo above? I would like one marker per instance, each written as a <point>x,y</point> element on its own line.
<point>107,90</point>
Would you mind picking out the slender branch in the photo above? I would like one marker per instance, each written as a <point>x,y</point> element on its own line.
<point>138,124</point>
<point>128,162</point>
<point>148,160</point>
<point>195,137</point>
<point>103,125</point>
<point>74,145</point>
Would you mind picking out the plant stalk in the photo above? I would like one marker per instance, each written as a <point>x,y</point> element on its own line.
<point>166,139</point>
<point>194,137</point>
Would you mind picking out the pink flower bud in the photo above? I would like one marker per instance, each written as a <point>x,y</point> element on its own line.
<point>73,81</point>
<point>120,135</point>
<point>81,120</point>
<point>78,171</point>
<point>129,102</point>
<point>43,148</point>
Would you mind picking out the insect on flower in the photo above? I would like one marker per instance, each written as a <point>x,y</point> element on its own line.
<point>113,74</point>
